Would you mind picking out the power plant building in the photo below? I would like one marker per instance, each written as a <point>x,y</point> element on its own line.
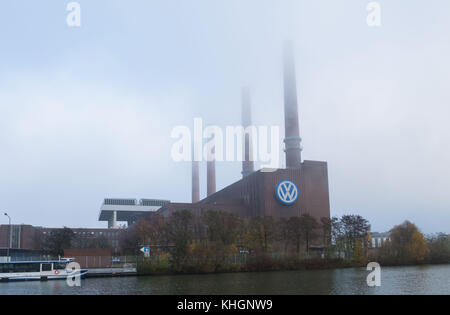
<point>300,188</point>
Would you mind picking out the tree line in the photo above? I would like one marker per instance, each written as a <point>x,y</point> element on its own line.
<point>215,241</point>
<point>213,237</point>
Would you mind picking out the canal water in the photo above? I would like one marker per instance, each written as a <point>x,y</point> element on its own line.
<point>394,280</point>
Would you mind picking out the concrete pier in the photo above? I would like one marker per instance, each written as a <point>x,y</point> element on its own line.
<point>111,272</point>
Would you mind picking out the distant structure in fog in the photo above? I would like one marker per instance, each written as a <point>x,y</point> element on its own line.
<point>292,130</point>
<point>211,176</point>
<point>195,180</point>
<point>248,164</point>
<point>301,188</point>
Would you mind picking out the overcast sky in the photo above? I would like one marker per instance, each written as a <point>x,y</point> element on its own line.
<point>86,113</point>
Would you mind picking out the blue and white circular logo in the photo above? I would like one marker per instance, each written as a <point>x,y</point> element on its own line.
<point>287,192</point>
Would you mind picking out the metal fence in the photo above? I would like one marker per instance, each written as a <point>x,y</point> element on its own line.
<point>106,261</point>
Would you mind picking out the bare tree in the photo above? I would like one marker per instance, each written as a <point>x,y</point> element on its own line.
<point>354,228</point>
<point>325,224</point>
<point>309,226</point>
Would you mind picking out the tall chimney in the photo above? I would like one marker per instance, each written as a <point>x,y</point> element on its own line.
<point>292,133</point>
<point>195,181</point>
<point>247,164</point>
<point>211,171</point>
<point>211,177</point>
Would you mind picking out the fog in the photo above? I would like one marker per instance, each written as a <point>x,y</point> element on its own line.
<point>87,113</point>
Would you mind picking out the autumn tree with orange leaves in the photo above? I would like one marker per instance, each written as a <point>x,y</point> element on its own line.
<point>406,245</point>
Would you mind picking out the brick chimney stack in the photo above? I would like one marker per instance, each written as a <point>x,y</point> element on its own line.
<point>292,134</point>
<point>247,164</point>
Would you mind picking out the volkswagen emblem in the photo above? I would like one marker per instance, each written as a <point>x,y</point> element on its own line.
<point>287,192</point>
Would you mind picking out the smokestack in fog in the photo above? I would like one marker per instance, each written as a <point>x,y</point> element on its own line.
<point>211,177</point>
<point>292,140</point>
<point>211,171</point>
<point>247,164</point>
<point>195,181</point>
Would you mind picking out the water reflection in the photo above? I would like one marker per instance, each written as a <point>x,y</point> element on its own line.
<point>395,280</point>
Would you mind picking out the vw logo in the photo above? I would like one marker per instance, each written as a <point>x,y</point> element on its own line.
<point>287,192</point>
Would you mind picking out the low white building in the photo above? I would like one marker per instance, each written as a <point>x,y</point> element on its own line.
<point>128,210</point>
<point>378,239</point>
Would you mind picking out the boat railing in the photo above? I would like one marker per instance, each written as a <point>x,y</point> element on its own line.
<point>86,262</point>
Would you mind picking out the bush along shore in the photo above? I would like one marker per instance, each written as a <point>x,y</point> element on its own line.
<point>253,263</point>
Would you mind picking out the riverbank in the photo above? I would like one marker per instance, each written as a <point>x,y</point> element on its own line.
<point>260,263</point>
<point>111,272</point>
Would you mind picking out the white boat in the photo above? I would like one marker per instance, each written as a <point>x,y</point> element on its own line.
<point>38,270</point>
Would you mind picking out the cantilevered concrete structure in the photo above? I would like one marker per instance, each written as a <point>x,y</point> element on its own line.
<point>128,210</point>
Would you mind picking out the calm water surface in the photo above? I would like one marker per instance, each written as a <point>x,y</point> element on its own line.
<point>394,280</point>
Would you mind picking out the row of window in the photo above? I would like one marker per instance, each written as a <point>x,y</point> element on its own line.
<point>107,234</point>
<point>120,202</point>
<point>379,241</point>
